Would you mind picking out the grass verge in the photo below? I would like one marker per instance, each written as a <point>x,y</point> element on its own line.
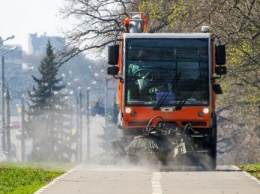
<point>21,178</point>
<point>253,169</point>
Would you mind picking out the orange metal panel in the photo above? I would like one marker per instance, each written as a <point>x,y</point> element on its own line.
<point>187,114</point>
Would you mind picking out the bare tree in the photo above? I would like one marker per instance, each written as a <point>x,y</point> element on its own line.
<point>98,24</point>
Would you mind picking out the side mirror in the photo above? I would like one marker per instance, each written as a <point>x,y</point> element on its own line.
<point>113,52</point>
<point>220,54</point>
<point>217,89</point>
<point>221,70</point>
<point>112,70</point>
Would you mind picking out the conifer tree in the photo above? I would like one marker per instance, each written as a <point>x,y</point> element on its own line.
<point>48,111</point>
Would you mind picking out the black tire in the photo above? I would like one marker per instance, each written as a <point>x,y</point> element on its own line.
<point>209,160</point>
<point>213,145</point>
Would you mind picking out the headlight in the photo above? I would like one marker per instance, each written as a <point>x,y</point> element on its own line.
<point>128,110</point>
<point>206,110</point>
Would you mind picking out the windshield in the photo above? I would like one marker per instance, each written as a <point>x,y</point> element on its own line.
<point>152,65</point>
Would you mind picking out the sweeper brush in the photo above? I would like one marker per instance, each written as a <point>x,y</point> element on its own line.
<point>154,144</point>
<point>162,144</point>
<point>146,146</point>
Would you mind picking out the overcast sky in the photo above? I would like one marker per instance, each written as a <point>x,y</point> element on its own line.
<point>21,17</point>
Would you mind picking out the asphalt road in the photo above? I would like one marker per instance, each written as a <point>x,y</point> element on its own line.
<point>96,179</point>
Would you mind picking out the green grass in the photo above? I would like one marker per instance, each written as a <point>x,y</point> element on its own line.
<point>253,169</point>
<point>26,178</point>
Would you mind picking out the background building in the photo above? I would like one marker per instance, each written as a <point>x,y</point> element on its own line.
<point>37,44</point>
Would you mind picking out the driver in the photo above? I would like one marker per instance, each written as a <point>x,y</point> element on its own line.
<point>140,64</point>
<point>147,79</point>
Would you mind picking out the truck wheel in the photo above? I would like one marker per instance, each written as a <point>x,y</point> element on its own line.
<point>213,146</point>
<point>209,161</point>
<point>213,150</point>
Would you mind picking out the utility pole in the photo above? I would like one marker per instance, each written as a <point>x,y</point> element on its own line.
<point>23,131</point>
<point>88,127</point>
<point>3,91</point>
<point>3,105</point>
<point>8,114</point>
<point>80,125</point>
<point>77,127</point>
<point>106,100</point>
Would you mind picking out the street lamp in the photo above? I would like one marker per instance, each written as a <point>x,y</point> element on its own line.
<point>3,116</point>
<point>8,38</point>
<point>3,98</point>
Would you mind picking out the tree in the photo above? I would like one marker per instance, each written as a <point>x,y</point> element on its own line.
<point>48,113</point>
<point>99,23</point>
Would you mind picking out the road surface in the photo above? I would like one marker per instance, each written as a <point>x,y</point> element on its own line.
<point>96,179</point>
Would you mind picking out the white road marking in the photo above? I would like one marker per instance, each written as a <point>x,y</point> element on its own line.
<point>156,185</point>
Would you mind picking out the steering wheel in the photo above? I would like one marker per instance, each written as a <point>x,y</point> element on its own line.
<point>145,73</point>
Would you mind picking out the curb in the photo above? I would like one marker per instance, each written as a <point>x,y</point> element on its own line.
<point>248,175</point>
<point>56,180</point>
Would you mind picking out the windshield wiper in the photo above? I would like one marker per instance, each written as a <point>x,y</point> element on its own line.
<point>169,89</point>
<point>187,95</point>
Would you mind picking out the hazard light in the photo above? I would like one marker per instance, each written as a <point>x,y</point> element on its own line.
<point>205,29</point>
<point>137,23</point>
